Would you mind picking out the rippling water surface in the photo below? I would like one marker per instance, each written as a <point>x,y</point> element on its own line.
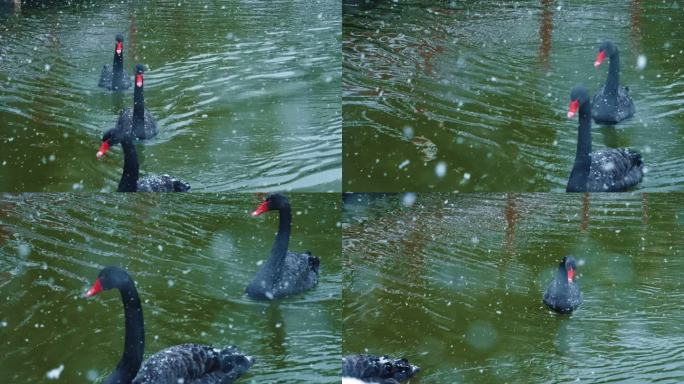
<point>454,283</point>
<point>191,256</point>
<point>246,93</point>
<point>472,96</point>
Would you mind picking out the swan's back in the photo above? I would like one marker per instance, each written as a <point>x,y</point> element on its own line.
<point>194,364</point>
<point>614,170</point>
<point>162,183</point>
<point>125,123</point>
<point>380,369</point>
<point>612,109</point>
<point>563,298</point>
<point>300,273</point>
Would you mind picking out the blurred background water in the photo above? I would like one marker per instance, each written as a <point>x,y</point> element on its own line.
<point>454,283</point>
<point>473,95</point>
<point>191,256</point>
<point>246,93</point>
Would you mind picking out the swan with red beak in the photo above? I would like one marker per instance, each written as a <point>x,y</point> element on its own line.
<point>563,295</point>
<point>114,77</point>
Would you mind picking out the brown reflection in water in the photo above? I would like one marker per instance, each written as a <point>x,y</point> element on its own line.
<point>635,30</point>
<point>584,225</point>
<point>545,33</point>
<point>511,215</point>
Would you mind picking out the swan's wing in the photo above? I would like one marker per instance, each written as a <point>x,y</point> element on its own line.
<point>625,105</point>
<point>105,76</point>
<point>194,364</point>
<point>614,170</point>
<point>377,368</point>
<point>125,121</point>
<point>161,183</point>
<point>300,272</point>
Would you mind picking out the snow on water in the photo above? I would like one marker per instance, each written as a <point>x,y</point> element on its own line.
<point>641,62</point>
<point>440,169</point>
<point>54,374</point>
<point>409,199</point>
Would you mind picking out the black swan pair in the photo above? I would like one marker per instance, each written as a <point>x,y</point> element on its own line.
<point>607,170</point>
<point>186,363</point>
<point>376,369</point>
<point>115,78</point>
<point>563,294</point>
<point>284,273</point>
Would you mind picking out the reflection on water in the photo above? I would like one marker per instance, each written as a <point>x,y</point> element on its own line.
<point>191,256</point>
<point>246,94</point>
<point>487,85</point>
<point>454,283</point>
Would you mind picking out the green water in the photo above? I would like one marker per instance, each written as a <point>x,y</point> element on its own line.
<point>473,95</point>
<point>454,283</point>
<point>246,93</point>
<point>191,257</point>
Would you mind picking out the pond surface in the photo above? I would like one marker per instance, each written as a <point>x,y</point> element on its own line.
<point>191,256</point>
<point>454,283</point>
<point>472,96</point>
<point>246,93</point>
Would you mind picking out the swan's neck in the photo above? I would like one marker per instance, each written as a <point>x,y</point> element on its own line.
<point>131,172</point>
<point>276,260</point>
<point>134,344</point>
<point>562,276</point>
<point>580,171</point>
<point>613,74</point>
<point>117,71</point>
<point>138,108</point>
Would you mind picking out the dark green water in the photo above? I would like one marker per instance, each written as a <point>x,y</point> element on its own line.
<point>191,256</point>
<point>454,283</point>
<point>246,93</point>
<point>477,92</point>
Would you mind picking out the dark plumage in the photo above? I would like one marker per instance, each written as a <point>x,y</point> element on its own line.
<point>284,273</point>
<point>130,178</point>
<point>378,369</point>
<point>563,294</point>
<point>612,102</point>
<point>607,170</point>
<point>138,120</point>
<point>114,77</point>
<point>186,363</point>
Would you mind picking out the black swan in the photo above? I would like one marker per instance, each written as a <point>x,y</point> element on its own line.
<point>563,294</point>
<point>115,78</point>
<point>186,363</point>
<point>377,369</point>
<point>284,273</point>
<point>130,179</point>
<point>607,170</point>
<point>138,120</point>
<point>612,103</point>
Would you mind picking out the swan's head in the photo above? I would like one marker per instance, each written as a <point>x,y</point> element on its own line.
<point>108,278</point>
<point>139,70</point>
<point>569,265</point>
<point>272,202</point>
<point>111,137</point>
<point>119,44</point>
<point>606,49</point>
<point>578,96</point>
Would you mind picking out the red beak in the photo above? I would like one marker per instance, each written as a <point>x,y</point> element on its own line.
<point>572,110</point>
<point>119,47</point>
<point>571,275</point>
<point>599,58</point>
<point>103,149</point>
<point>261,209</point>
<point>138,80</point>
<point>95,289</point>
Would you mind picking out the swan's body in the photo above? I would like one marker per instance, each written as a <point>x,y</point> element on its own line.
<point>114,77</point>
<point>607,170</point>
<point>612,103</point>
<point>130,177</point>
<point>563,294</point>
<point>137,121</point>
<point>284,273</point>
<point>377,369</point>
<point>186,363</point>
